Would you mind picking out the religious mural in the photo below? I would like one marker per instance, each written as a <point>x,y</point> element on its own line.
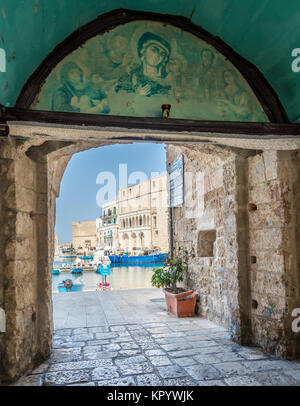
<point>135,68</point>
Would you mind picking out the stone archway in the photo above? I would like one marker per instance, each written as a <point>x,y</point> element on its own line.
<point>32,162</point>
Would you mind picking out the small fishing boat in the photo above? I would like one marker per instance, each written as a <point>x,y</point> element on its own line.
<point>86,257</point>
<point>70,286</point>
<point>76,270</point>
<point>55,271</point>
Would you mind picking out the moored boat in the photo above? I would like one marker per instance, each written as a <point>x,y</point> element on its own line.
<point>139,259</point>
<point>76,270</point>
<point>55,271</point>
<point>70,286</point>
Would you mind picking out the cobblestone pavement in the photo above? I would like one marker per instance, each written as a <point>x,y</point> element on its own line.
<point>149,351</point>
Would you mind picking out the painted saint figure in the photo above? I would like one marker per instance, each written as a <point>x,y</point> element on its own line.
<point>236,100</point>
<point>147,79</point>
<point>76,96</point>
<point>206,75</point>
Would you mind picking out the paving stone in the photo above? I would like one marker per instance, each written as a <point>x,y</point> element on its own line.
<point>131,360</point>
<point>118,328</point>
<point>111,347</point>
<point>63,332</point>
<point>83,384</point>
<point>150,353</point>
<point>202,343</point>
<point>81,365</point>
<point>195,351</point>
<point>231,368</point>
<point>160,361</point>
<point>100,355</point>
<point>123,339</point>
<point>176,347</point>
<point>124,381</point>
<point>159,330</point>
<point>68,344</point>
<point>83,337</point>
<point>97,342</point>
<point>104,336</point>
<point>104,373</point>
<point>257,366</point>
<point>173,371</point>
<point>130,345</point>
<point>251,354</point>
<point>212,382</point>
<point>203,372</point>
<point>184,362</point>
<point>66,354</point>
<point>133,369</point>
<point>184,381</point>
<point>100,329</point>
<point>276,378</point>
<point>66,377</point>
<point>129,352</point>
<point>229,356</point>
<point>148,380</point>
<point>242,381</point>
<point>92,348</point>
<point>294,373</point>
<point>206,359</point>
<point>134,327</point>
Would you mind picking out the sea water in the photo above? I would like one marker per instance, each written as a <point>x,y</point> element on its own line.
<point>121,277</point>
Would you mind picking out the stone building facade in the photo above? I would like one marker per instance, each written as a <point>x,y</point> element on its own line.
<point>143,215</point>
<point>84,235</point>
<point>107,226</point>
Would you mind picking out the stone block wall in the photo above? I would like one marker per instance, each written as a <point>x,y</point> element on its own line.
<point>274,249</point>
<point>245,243</point>
<point>210,225</point>
<point>24,244</point>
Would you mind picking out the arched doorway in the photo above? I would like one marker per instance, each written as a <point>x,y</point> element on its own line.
<point>59,142</point>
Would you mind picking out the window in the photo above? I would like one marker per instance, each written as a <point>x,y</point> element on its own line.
<point>206,241</point>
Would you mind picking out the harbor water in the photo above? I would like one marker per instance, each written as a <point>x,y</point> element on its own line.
<point>121,277</point>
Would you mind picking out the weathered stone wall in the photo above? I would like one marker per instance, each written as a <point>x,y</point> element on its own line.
<point>274,249</point>
<point>245,243</point>
<point>24,245</point>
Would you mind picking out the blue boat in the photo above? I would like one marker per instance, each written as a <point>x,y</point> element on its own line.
<point>76,286</point>
<point>115,259</point>
<point>87,257</point>
<point>55,271</point>
<point>76,270</point>
<point>138,259</point>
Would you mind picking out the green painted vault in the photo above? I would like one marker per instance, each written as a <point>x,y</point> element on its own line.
<point>264,32</point>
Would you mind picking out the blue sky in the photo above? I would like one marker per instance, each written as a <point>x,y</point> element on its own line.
<point>77,200</point>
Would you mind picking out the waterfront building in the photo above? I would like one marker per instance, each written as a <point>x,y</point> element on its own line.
<point>107,226</point>
<point>140,219</point>
<point>84,235</point>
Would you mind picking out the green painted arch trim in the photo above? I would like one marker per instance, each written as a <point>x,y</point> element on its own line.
<point>263,91</point>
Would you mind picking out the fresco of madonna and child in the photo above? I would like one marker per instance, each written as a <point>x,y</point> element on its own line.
<point>135,68</point>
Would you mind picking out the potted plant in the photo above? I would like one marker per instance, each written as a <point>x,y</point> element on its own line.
<point>180,301</point>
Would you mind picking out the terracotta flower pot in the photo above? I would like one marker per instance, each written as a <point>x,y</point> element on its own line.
<point>181,304</point>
